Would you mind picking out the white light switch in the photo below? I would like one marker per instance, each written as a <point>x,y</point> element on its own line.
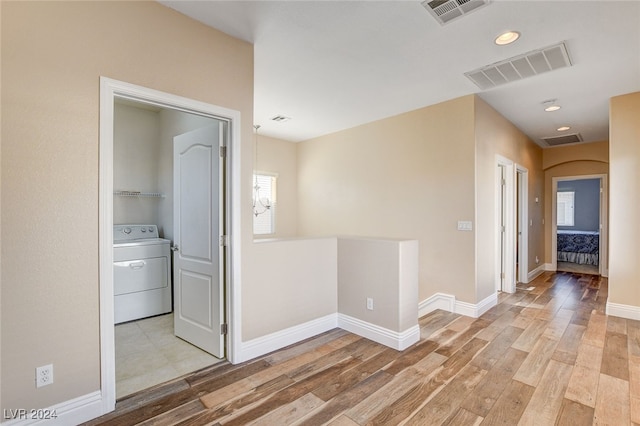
<point>464,225</point>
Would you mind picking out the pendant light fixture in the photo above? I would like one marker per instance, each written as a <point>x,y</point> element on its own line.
<point>260,203</point>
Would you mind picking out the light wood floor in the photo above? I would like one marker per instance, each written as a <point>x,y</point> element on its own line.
<point>540,357</point>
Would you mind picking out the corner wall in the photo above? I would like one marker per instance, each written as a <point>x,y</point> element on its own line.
<point>624,205</point>
<point>409,176</point>
<point>495,135</point>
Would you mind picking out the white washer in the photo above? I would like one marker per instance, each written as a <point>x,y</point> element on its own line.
<point>141,272</point>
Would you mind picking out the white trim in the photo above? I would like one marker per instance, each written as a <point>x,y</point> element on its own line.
<point>509,255</point>
<point>476,310</point>
<point>264,344</point>
<point>109,90</point>
<point>537,272</point>
<point>72,412</point>
<point>550,267</point>
<point>446,302</point>
<point>393,339</point>
<point>522,197</point>
<point>623,311</point>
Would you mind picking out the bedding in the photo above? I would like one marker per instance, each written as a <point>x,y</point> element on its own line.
<point>578,247</point>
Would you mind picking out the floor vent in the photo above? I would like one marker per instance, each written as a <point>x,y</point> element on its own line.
<point>445,11</point>
<point>522,66</point>
<point>561,140</point>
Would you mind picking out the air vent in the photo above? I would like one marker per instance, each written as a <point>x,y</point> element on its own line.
<point>280,118</point>
<point>522,66</point>
<point>562,140</point>
<point>445,11</point>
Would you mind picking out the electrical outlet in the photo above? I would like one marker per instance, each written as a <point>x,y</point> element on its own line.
<point>370,303</point>
<point>44,375</point>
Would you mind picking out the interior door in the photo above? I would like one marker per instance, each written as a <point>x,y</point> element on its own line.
<point>198,172</point>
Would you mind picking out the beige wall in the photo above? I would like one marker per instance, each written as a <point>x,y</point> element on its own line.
<point>573,160</point>
<point>280,157</point>
<point>496,136</point>
<point>410,177</point>
<point>624,228</point>
<point>52,57</point>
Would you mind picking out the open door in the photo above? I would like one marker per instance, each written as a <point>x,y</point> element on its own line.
<point>198,271</point>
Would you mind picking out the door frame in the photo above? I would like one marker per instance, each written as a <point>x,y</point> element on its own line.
<point>507,253</point>
<point>603,255</point>
<point>522,188</point>
<point>111,89</point>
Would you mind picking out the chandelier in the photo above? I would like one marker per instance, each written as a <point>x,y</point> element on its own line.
<point>261,203</point>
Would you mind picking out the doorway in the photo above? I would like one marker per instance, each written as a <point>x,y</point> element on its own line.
<point>511,224</point>
<point>579,224</point>
<point>228,121</point>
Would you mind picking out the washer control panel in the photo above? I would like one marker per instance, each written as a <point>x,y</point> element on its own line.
<point>134,232</point>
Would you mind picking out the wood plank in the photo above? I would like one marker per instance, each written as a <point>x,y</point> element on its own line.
<point>493,384</point>
<point>445,402</point>
<point>616,325</point>
<point>293,392</point>
<point>634,378</point>
<point>583,385</point>
<point>459,341</point>
<point>547,398</point>
<point>171,417</point>
<point>589,356</point>
<point>530,335</point>
<point>635,409</point>
<point>615,359</point>
<point>342,421</point>
<point>612,402</point>
<point>633,338</point>
<point>510,405</point>
<point>534,365</point>
<point>407,378</point>
<point>410,356</point>
<point>567,349</point>
<point>463,417</point>
<point>289,413</point>
<point>352,377</point>
<point>347,399</point>
<point>596,329</point>
<point>574,414</point>
<point>496,349</point>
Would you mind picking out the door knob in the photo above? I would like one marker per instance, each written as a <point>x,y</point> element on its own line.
<point>175,248</point>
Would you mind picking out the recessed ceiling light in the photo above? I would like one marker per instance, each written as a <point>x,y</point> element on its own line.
<point>507,37</point>
<point>563,128</point>
<point>552,108</point>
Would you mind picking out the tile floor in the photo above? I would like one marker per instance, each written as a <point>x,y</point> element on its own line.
<point>147,354</point>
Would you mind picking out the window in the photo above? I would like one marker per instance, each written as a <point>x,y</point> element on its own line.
<point>565,208</point>
<point>264,223</point>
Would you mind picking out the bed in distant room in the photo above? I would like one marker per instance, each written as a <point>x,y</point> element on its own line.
<point>578,247</point>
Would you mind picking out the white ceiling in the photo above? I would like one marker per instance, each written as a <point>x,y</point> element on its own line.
<point>332,65</point>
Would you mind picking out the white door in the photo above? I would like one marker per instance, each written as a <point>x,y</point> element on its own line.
<point>198,271</point>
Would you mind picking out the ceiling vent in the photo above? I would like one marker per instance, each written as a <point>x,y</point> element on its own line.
<point>445,11</point>
<point>280,118</point>
<point>562,140</point>
<point>522,66</point>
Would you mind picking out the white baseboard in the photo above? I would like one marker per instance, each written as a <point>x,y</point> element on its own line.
<point>72,412</point>
<point>623,311</point>
<point>475,310</point>
<point>448,302</point>
<point>274,341</point>
<point>537,272</point>
<point>393,339</point>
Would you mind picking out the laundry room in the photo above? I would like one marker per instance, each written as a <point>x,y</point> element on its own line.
<point>147,351</point>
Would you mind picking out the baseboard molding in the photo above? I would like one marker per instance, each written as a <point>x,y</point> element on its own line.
<point>446,302</point>
<point>475,310</point>
<point>72,412</point>
<point>537,272</point>
<point>393,339</point>
<point>274,341</point>
<point>623,311</point>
